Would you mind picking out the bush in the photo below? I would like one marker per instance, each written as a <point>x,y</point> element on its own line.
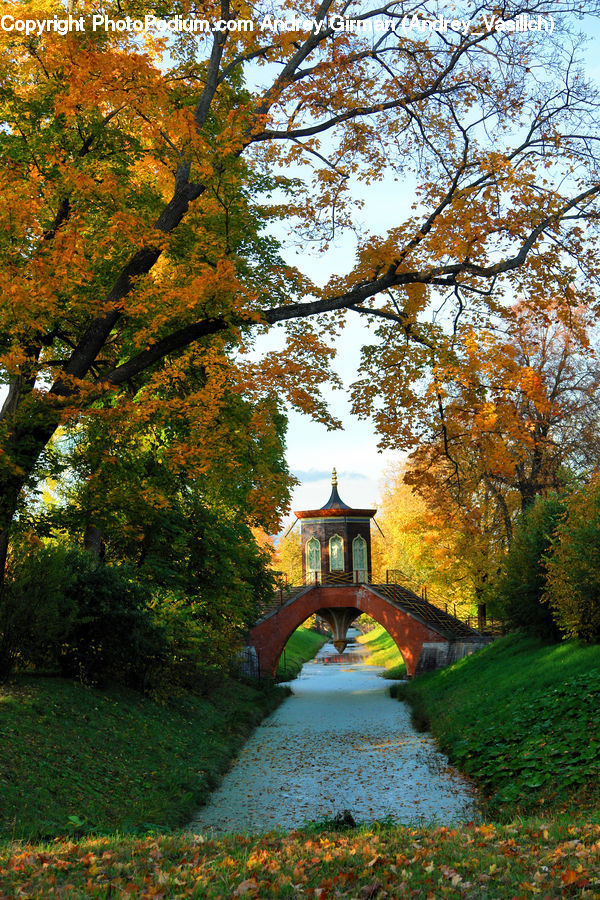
<point>573,579</point>
<point>63,609</point>
<point>36,606</point>
<point>113,635</point>
<point>195,660</point>
<point>518,593</point>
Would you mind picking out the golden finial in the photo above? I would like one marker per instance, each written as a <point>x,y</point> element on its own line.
<point>334,478</point>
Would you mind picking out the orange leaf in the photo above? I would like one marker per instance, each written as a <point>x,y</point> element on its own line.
<point>246,887</point>
<point>569,877</point>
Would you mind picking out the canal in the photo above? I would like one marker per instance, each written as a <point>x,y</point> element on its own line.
<point>339,743</point>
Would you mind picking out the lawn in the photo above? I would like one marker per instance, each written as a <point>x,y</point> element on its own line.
<point>383,652</point>
<point>302,646</point>
<point>522,718</point>
<point>76,759</point>
<point>473,861</point>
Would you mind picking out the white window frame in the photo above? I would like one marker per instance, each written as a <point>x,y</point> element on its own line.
<point>311,573</point>
<point>359,573</point>
<point>336,537</point>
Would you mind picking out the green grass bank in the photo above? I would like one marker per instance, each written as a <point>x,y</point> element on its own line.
<point>522,718</point>
<point>76,759</point>
<point>383,652</point>
<point>302,646</point>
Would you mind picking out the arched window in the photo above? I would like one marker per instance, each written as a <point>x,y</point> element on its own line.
<point>359,558</point>
<point>313,560</point>
<point>336,554</point>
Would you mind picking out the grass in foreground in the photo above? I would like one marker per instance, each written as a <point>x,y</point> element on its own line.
<point>523,720</point>
<point>383,652</point>
<point>76,759</point>
<point>301,647</point>
<point>484,861</point>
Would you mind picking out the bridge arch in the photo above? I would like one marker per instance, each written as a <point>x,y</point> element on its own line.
<point>270,635</point>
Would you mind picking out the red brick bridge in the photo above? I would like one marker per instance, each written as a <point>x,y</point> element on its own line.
<point>412,622</point>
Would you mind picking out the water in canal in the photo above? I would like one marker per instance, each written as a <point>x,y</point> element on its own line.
<point>339,743</point>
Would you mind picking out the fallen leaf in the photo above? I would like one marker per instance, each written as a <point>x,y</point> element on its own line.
<point>569,877</point>
<point>246,887</point>
<point>370,890</point>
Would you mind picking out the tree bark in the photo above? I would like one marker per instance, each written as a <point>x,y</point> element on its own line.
<point>92,541</point>
<point>481,616</point>
<point>3,555</point>
<point>24,443</point>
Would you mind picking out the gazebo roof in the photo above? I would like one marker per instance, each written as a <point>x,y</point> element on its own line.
<point>335,507</point>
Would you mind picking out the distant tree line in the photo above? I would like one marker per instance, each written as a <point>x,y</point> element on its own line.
<point>549,581</point>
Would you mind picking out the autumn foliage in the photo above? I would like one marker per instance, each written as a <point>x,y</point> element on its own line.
<point>134,208</point>
<point>152,185</point>
<point>572,584</point>
<point>375,863</point>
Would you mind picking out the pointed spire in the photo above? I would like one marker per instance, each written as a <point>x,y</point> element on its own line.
<point>335,504</point>
<point>334,501</point>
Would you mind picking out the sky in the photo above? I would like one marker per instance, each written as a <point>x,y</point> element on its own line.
<point>312,450</point>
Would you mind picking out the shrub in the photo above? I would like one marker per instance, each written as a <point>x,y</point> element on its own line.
<point>113,634</point>
<point>518,592</point>
<point>194,659</point>
<point>36,606</point>
<point>573,579</point>
<point>63,609</point>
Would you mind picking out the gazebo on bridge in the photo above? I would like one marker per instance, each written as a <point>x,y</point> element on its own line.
<point>336,542</point>
<point>338,586</point>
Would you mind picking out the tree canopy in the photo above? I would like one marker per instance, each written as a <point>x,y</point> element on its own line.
<point>141,172</point>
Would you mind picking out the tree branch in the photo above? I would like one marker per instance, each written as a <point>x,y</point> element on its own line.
<point>351,299</point>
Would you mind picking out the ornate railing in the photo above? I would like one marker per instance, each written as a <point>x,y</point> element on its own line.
<point>460,611</point>
<point>281,596</point>
<point>489,627</point>
<point>357,576</point>
<point>404,590</point>
<point>410,602</point>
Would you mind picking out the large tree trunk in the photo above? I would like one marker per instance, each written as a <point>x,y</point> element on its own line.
<point>3,554</point>
<point>10,488</point>
<point>24,444</point>
<point>501,503</point>
<point>93,543</point>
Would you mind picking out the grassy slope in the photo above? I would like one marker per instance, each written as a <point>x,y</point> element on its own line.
<point>383,652</point>
<point>474,862</point>
<point>500,688</point>
<point>301,647</point>
<point>523,719</point>
<point>113,759</point>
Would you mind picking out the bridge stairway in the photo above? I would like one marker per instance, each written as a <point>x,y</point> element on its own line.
<point>446,624</point>
<point>449,626</point>
<point>281,597</point>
